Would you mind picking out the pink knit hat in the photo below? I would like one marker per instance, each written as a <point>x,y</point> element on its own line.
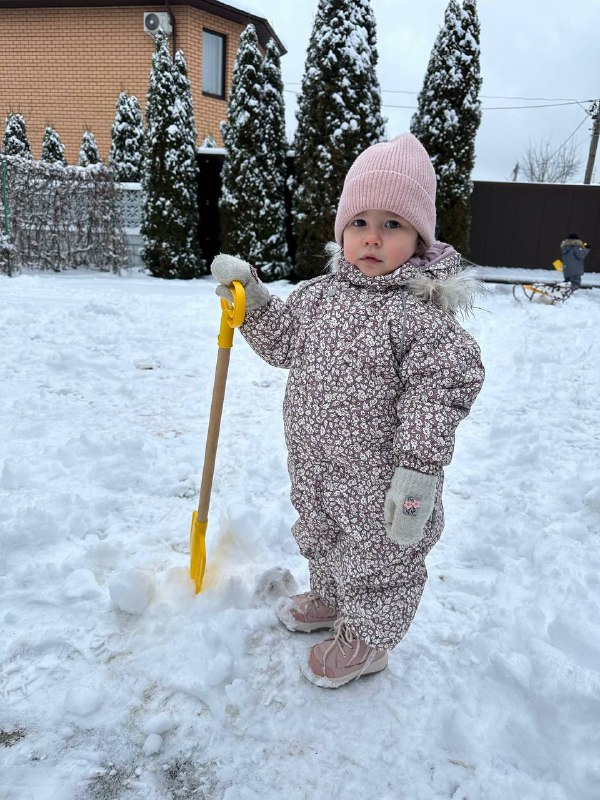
<point>394,176</point>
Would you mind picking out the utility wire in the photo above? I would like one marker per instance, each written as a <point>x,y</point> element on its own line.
<point>484,96</point>
<point>568,139</point>
<point>487,108</point>
<point>501,108</point>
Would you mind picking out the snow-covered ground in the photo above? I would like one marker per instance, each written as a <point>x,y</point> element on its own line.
<point>493,694</point>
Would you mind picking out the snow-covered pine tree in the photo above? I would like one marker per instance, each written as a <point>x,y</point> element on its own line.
<point>371,91</point>
<point>88,151</point>
<point>448,116</point>
<point>169,216</point>
<point>127,140</point>
<point>470,112</point>
<point>53,150</point>
<point>243,193</point>
<point>273,259</point>
<point>15,141</point>
<point>185,168</point>
<point>339,115</point>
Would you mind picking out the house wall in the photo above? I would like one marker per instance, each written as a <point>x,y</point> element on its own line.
<point>66,66</point>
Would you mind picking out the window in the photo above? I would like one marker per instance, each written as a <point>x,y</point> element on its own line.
<point>213,63</point>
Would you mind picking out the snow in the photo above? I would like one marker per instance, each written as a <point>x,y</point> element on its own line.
<point>116,682</point>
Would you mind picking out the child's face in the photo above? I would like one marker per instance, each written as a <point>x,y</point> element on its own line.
<point>378,242</point>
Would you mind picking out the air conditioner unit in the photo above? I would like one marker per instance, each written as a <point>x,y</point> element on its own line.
<point>157,21</point>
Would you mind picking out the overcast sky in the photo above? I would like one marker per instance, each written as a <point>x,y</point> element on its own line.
<point>529,48</point>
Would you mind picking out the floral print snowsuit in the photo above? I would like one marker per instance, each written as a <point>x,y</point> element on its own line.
<point>377,378</point>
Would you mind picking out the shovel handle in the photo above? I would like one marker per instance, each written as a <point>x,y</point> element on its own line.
<point>232,317</point>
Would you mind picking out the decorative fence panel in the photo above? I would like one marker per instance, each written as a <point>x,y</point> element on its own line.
<point>130,201</point>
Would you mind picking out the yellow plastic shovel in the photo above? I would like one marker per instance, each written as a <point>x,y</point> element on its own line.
<point>232,317</point>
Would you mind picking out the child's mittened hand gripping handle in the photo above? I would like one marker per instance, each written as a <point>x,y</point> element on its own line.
<point>230,268</point>
<point>408,505</point>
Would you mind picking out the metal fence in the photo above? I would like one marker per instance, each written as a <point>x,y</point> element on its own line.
<point>523,224</point>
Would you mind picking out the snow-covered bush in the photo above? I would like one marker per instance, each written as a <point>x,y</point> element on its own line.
<point>7,250</point>
<point>127,140</point>
<point>15,141</point>
<point>88,151</point>
<point>448,117</point>
<point>339,115</point>
<point>53,150</point>
<point>170,211</point>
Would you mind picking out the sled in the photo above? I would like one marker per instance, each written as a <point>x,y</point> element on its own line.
<point>539,292</point>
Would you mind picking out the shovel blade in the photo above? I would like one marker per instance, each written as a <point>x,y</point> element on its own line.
<point>197,551</point>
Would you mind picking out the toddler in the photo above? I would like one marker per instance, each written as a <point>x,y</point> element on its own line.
<point>380,375</point>
<point>573,252</point>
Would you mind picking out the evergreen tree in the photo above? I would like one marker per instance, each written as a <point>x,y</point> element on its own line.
<point>448,116</point>
<point>185,168</point>
<point>53,150</point>
<point>273,262</point>
<point>88,152</point>
<point>15,137</point>
<point>243,193</point>
<point>170,214</point>
<point>127,140</point>
<point>471,108</point>
<point>339,115</point>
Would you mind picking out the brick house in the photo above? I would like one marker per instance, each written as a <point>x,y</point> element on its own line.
<point>64,62</point>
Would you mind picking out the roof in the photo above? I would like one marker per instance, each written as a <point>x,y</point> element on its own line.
<point>264,31</point>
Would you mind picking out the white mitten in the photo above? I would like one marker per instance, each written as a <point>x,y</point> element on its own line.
<point>230,268</point>
<point>408,505</point>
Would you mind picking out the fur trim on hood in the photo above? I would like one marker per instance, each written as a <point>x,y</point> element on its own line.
<point>435,278</point>
<point>571,243</point>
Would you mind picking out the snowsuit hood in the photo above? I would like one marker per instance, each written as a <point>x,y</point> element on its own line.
<point>571,243</point>
<point>436,277</point>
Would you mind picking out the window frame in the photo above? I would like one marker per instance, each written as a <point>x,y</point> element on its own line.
<point>223,37</point>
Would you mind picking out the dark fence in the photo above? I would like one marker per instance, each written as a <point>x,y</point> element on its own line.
<point>514,224</point>
<point>523,224</point>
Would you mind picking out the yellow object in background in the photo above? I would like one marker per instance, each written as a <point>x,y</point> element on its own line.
<point>558,265</point>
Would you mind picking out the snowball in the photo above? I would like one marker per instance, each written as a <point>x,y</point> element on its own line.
<point>152,745</point>
<point>83,700</point>
<point>275,583</point>
<point>81,585</point>
<point>131,590</point>
<point>158,723</point>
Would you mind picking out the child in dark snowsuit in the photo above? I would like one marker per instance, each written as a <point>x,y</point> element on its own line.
<point>573,254</point>
<point>380,375</point>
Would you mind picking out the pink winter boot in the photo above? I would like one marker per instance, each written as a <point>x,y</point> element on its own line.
<point>306,612</point>
<point>337,661</point>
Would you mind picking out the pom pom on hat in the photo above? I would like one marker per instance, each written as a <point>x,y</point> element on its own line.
<point>395,176</point>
